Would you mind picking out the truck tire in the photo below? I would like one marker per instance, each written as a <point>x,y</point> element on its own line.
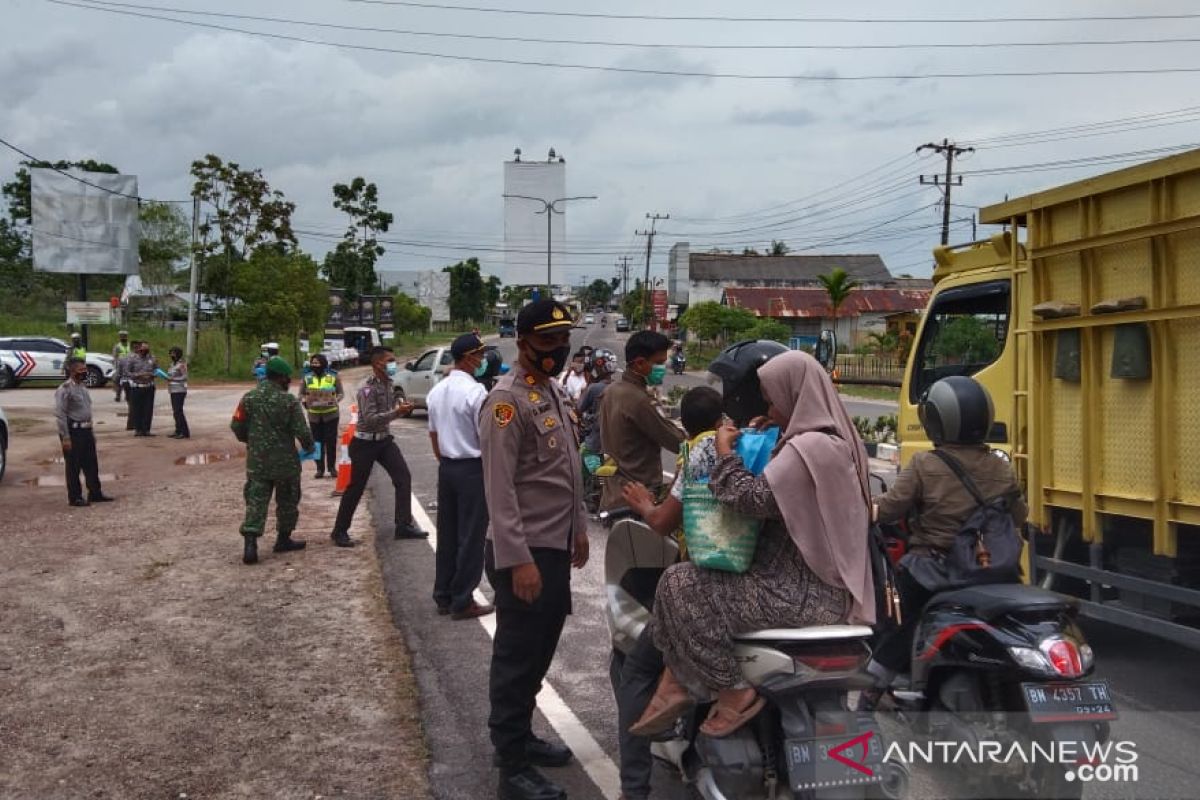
<point>7,379</point>
<point>94,378</point>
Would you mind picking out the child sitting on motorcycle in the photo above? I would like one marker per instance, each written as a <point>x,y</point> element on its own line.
<point>957,415</point>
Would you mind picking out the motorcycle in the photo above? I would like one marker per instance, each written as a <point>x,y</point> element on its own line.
<point>807,742</point>
<point>1005,663</point>
<point>678,363</point>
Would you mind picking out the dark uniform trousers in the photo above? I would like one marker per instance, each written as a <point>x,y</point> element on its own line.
<point>363,455</point>
<point>257,493</point>
<point>526,638</point>
<point>141,406</point>
<point>181,425</point>
<point>462,520</point>
<point>325,432</point>
<point>634,678</point>
<point>82,457</point>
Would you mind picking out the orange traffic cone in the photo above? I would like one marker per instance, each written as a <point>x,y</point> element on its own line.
<point>343,460</point>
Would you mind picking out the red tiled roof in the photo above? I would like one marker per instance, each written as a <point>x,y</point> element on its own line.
<point>814,302</point>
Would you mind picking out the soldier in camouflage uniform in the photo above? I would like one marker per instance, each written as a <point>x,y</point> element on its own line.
<point>269,420</point>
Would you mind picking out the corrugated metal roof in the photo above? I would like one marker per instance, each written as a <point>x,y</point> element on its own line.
<point>803,302</point>
<point>866,268</point>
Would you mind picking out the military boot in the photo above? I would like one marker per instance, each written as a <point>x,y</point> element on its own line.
<point>284,543</point>
<point>250,550</point>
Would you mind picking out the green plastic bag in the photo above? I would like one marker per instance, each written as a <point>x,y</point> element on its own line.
<point>717,536</point>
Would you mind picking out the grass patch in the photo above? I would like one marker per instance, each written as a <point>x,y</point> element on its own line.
<point>24,424</point>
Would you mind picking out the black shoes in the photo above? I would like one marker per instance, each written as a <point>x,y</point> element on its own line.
<point>250,550</point>
<point>99,498</point>
<point>179,436</point>
<point>79,502</point>
<point>320,474</point>
<point>541,753</point>
<point>342,540</point>
<point>145,433</point>
<point>471,612</point>
<point>410,530</point>
<point>284,543</point>
<point>526,783</point>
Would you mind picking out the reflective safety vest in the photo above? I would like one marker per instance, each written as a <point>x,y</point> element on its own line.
<point>122,350</point>
<point>323,388</point>
<point>79,352</point>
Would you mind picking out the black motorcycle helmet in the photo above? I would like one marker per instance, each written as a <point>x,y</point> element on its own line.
<point>957,410</point>
<point>493,360</point>
<point>737,367</point>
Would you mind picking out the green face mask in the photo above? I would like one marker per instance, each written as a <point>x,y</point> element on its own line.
<point>657,373</point>
<point>481,370</point>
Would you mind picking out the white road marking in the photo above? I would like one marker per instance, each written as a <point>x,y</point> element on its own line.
<point>595,762</point>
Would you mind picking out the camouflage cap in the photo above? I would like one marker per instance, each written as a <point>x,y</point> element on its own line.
<point>277,366</point>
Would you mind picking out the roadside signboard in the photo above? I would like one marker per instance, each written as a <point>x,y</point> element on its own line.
<point>89,313</point>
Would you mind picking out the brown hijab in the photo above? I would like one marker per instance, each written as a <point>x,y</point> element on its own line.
<point>818,475</point>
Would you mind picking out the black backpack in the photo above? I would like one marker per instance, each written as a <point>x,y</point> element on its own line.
<point>987,548</point>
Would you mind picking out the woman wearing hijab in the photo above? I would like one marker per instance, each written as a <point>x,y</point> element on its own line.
<point>811,564</point>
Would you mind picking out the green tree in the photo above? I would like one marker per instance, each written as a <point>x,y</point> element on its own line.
<point>706,320</point>
<point>766,328</point>
<point>779,248</point>
<point>631,304</point>
<point>280,293</point>
<point>515,296</point>
<point>749,251</point>
<point>597,293</point>
<point>351,265</point>
<point>883,344</point>
<point>164,243</point>
<point>736,322</point>
<point>838,285</point>
<point>240,213</point>
<point>467,298</point>
<point>965,340</point>
<point>491,292</point>
<point>410,316</point>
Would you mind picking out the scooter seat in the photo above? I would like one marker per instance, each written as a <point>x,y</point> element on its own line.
<point>814,633</point>
<point>997,599</point>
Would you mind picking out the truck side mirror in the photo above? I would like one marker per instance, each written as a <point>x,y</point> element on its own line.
<point>826,350</point>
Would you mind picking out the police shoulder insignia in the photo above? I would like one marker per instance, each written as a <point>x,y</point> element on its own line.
<point>503,413</point>
<point>549,422</point>
<point>534,397</point>
<point>529,379</point>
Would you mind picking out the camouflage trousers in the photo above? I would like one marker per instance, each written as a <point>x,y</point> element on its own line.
<point>257,492</point>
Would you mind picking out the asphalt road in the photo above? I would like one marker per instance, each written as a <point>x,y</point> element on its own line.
<point>1154,683</point>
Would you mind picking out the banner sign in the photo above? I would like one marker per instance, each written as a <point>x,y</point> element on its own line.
<point>336,320</point>
<point>387,316</point>
<point>89,313</point>
<point>659,299</point>
<point>87,224</point>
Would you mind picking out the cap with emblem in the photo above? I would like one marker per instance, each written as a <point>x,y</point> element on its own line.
<point>277,366</point>
<point>465,345</point>
<point>543,316</point>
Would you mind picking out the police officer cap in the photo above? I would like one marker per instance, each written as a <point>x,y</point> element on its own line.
<point>122,333</point>
<point>464,345</point>
<point>76,336</point>
<point>544,316</point>
<point>277,366</point>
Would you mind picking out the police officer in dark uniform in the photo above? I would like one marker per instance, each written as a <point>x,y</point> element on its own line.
<point>538,530</point>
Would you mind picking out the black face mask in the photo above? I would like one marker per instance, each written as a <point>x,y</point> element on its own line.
<point>318,371</point>
<point>557,359</point>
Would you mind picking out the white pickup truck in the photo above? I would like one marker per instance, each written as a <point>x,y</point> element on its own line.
<point>414,380</point>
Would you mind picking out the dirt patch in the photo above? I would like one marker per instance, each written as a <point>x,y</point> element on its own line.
<point>140,659</point>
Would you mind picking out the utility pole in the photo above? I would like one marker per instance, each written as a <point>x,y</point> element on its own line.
<point>195,279</point>
<point>949,151</point>
<point>654,218</point>
<point>624,272</point>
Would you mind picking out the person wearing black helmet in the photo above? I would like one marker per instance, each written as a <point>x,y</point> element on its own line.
<point>957,415</point>
<point>737,367</point>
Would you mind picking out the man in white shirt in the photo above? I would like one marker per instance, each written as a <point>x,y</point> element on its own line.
<point>574,380</point>
<point>462,516</point>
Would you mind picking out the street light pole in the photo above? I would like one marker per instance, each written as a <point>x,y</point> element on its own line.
<point>548,208</point>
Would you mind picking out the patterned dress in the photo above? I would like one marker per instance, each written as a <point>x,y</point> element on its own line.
<point>697,611</point>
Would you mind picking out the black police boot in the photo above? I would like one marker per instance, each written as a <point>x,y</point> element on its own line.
<point>410,530</point>
<point>342,540</point>
<point>541,753</point>
<point>526,783</point>
<point>250,550</point>
<point>284,543</point>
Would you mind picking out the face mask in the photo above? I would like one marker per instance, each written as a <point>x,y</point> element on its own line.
<point>551,362</point>
<point>391,368</point>
<point>481,370</point>
<point>657,373</point>
<point>316,368</point>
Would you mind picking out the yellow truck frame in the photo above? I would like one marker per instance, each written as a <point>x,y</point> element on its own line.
<point>1095,373</point>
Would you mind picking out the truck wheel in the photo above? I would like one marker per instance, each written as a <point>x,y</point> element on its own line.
<point>94,378</point>
<point>7,379</point>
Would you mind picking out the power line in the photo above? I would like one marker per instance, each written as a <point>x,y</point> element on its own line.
<point>646,45</point>
<point>1132,155</point>
<point>671,73</point>
<point>1089,126</point>
<point>808,19</point>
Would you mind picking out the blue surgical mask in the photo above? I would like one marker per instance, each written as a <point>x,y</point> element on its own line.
<point>657,373</point>
<point>391,368</point>
<point>481,370</point>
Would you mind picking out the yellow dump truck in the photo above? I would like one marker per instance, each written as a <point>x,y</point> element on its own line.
<point>1082,318</point>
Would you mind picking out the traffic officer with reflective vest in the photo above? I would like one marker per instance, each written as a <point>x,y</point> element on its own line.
<point>320,392</point>
<point>77,349</point>
<point>532,478</point>
<point>120,352</point>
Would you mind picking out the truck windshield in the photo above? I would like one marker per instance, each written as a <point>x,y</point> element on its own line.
<point>964,332</point>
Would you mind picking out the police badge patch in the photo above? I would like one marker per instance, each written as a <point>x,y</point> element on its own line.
<point>503,414</point>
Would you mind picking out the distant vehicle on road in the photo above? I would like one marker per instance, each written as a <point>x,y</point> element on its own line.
<point>3,443</point>
<point>414,381</point>
<point>41,358</point>
<point>622,325</point>
<point>508,328</point>
<point>589,320</point>
<point>363,340</point>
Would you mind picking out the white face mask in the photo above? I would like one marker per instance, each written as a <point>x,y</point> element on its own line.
<point>391,368</point>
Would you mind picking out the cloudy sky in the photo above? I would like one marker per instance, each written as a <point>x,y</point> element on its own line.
<point>820,154</point>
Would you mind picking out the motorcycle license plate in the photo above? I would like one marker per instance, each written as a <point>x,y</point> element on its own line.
<point>1069,702</point>
<point>831,761</point>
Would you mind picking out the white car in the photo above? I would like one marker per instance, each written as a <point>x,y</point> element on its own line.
<point>589,320</point>
<point>413,381</point>
<point>3,443</point>
<point>41,358</point>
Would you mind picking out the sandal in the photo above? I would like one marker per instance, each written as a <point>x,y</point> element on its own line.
<point>660,714</point>
<point>723,720</point>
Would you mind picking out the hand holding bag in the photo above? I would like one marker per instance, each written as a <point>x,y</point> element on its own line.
<point>717,536</point>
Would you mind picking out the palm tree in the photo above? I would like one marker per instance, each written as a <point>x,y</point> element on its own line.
<point>838,285</point>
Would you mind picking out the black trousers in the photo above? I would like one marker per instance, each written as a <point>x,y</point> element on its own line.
<point>141,407</point>
<point>526,638</point>
<point>364,453</point>
<point>181,426</point>
<point>894,648</point>
<point>82,457</point>
<point>634,678</point>
<point>462,520</point>
<point>325,431</point>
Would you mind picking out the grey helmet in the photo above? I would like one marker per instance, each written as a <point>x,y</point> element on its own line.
<point>957,410</point>
<point>601,363</point>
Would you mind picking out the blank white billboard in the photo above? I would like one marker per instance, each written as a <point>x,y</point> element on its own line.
<point>85,229</point>
<point>525,228</point>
